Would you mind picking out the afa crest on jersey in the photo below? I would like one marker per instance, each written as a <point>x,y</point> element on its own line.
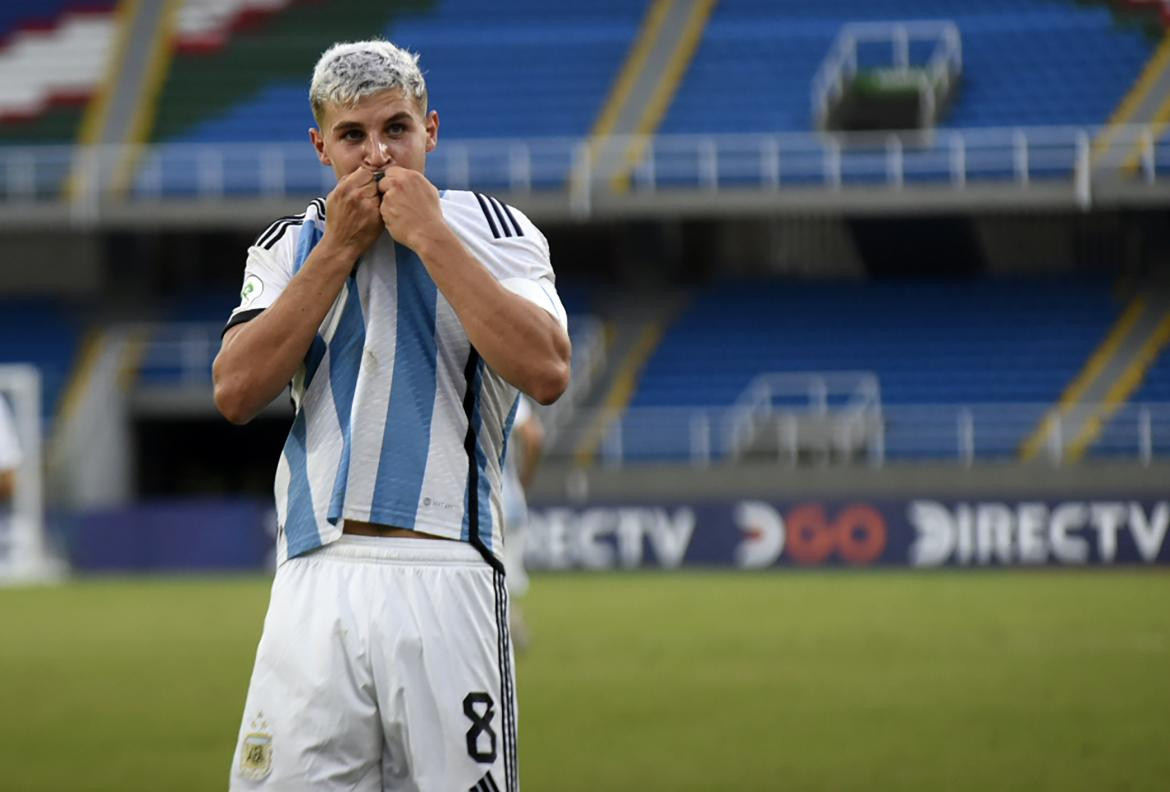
<point>256,752</point>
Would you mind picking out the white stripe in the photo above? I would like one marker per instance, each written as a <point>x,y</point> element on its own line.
<point>445,478</point>
<point>281,489</point>
<point>377,282</point>
<point>323,440</point>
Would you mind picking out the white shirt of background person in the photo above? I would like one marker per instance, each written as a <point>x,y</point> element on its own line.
<point>10,456</point>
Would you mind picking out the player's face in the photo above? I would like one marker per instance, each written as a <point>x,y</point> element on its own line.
<point>381,130</point>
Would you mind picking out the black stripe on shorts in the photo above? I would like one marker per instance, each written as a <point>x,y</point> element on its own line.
<point>507,691</point>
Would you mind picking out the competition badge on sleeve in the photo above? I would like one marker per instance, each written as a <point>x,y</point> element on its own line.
<point>253,288</point>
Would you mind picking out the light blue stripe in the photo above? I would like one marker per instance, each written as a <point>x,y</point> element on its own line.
<point>300,527</point>
<point>508,424</point>
<point>305,244</point>
<point>300,521</point>
<point>407,437</point>
<point>310,236</point>
<point>345,360</point>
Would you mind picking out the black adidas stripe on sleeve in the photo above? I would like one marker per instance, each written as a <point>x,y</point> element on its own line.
<point>277,229</point>
<point>488,214</point>
<point>512,217</point>
<point>240,318</point>
<point>499,217</point>
<point>274,232</point>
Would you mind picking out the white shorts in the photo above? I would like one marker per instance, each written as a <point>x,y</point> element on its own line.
<point>385,664</point>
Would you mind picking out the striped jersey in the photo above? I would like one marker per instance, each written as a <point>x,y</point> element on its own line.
<point>398,420</point>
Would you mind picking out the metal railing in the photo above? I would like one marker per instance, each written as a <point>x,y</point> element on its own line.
<point>934,77</point>
<point>787,409</point>
<point>179,355</point>
<point>176,353</point>
<point>953,158</point>
<point>587,335</point>
<point>182,352</point>
<point>963,434</point>
<point>839,405</point>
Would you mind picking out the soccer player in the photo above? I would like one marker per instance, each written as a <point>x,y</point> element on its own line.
<point>525,447</point>
<point>407,320</point>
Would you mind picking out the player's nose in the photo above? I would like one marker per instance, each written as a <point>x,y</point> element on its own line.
<point>377,154</point>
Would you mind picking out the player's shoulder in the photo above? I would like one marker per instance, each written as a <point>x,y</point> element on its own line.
<point>486,214</point>
<point>279,228</point>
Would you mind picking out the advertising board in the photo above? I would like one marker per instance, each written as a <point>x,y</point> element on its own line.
<point>921,532</point>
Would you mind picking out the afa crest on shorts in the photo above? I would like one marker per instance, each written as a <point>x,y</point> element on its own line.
<point>256,751</point>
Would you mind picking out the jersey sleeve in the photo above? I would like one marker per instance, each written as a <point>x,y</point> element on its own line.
<point>534,280</point>
<point>525,265</point>
<point>267,271</point>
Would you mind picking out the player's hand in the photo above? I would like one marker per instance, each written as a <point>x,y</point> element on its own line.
<point>351,212</point>
<point>410,207</point>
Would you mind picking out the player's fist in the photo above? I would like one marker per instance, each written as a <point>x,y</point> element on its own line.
<point>351,212</point>
<point>410,207</point>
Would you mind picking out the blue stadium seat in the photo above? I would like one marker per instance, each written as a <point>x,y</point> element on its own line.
<point>1003,341</point>
<point>987,340</point>
<point>45,333</point>
<point>14,16</point>
<point>1029,62</point>
<point>521,69</point>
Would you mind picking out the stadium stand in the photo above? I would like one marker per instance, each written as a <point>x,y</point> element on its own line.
<point>993,340</point>
<point>47,334</point>
<point>1145,413</point>
<point>51,59</point>
<point>1031,62</point>
<point>1156,385</point>
<point>225,81</point>
<point>1009,346</point>
<point>540,70</point>
<point>548,73</point>
<point>184,339</point>
<point>207,25</point>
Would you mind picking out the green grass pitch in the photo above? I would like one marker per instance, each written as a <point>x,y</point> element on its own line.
<point>1030,680</point>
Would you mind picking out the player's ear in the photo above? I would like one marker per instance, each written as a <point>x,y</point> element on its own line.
<point>432,130</point>
<point>319,146</point>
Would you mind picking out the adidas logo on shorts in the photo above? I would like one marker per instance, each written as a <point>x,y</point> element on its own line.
<point>486,784</point>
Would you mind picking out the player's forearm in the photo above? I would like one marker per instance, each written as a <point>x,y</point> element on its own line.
<point>258,360</point>
<point>7,485</point>
<point>519,340</point>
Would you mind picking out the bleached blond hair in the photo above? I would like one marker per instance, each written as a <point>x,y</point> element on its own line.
<point>349,71</point>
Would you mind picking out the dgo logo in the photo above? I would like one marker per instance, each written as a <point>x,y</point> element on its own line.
<point>856,535</point>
